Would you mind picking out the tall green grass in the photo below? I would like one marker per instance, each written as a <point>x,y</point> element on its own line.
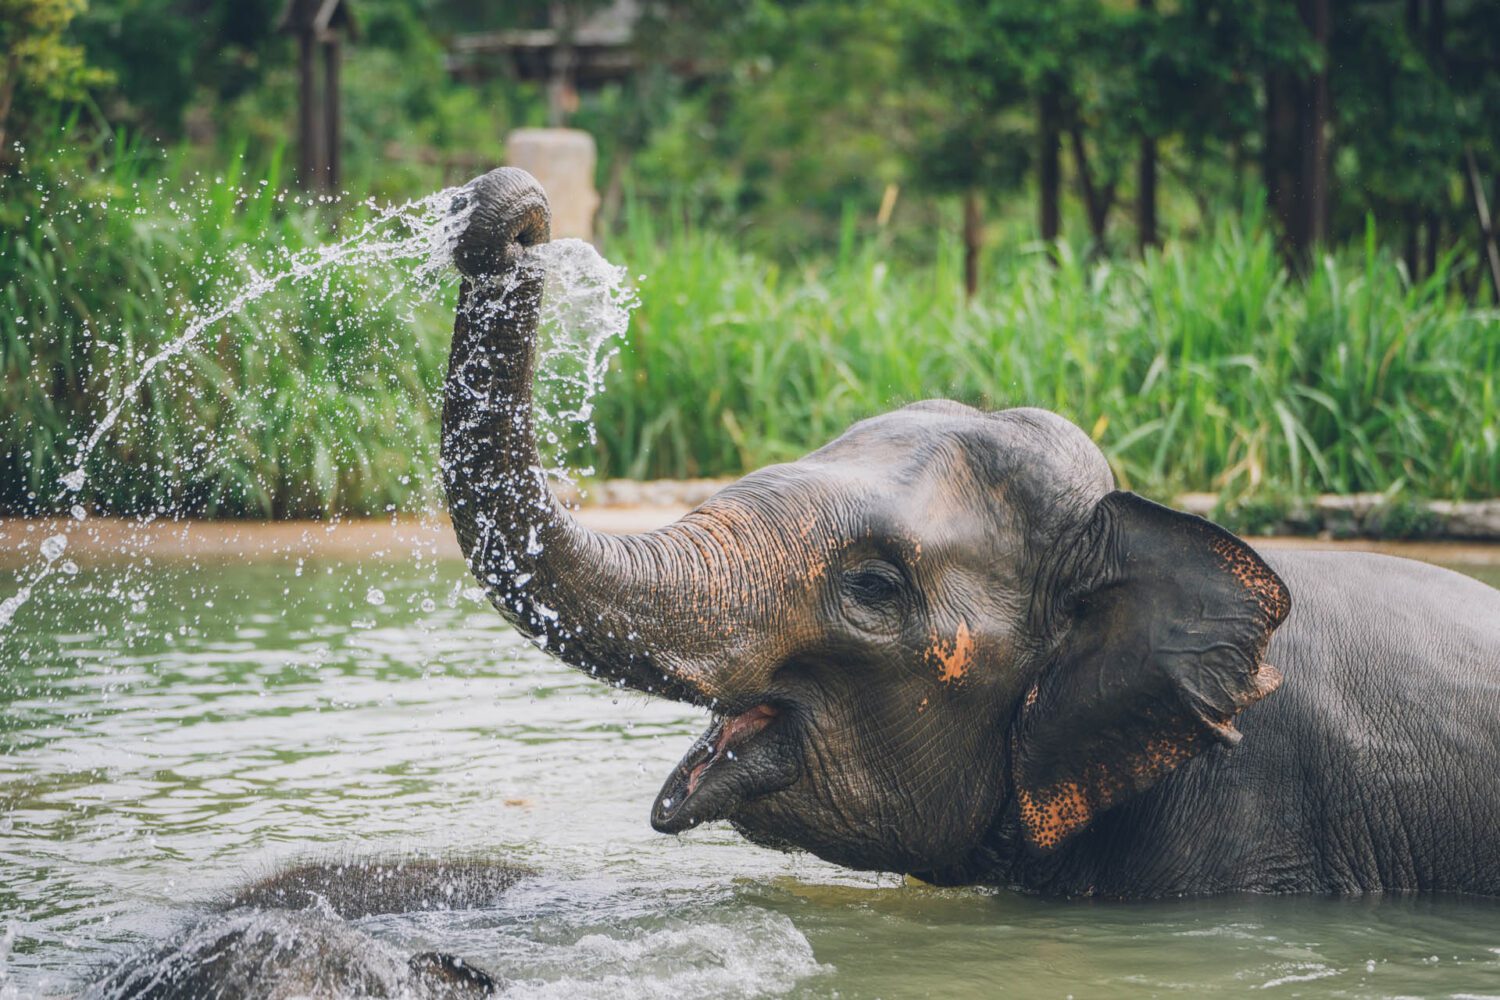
<point>319,397</point>
<point>1203,367</point>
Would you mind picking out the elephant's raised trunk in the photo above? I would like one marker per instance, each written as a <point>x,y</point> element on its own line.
<point>621,607</point>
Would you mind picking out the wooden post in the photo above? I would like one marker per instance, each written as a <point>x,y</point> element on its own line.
<point>562,97</point>
<point>332,119</point>
<point>318,24</point>
<point>310,131</point>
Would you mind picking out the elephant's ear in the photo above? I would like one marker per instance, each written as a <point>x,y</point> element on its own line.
<point>1165,617</point>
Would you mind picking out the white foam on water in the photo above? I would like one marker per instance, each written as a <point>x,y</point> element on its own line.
<point>760,953</point>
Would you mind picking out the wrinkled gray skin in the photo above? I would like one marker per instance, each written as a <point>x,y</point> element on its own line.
<point>289,935</point>
<point>945,645</point>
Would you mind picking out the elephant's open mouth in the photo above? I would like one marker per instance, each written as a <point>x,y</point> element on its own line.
<point>739,758</point>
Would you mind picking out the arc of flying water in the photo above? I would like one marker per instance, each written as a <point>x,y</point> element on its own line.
<point>430,244</point>
<point>434,242</point>
<point>585,315</point>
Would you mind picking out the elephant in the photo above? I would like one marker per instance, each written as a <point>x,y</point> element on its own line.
<point>288,935</point>
<point>945,645</point>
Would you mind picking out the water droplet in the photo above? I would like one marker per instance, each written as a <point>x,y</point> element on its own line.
<point>375,596</point>
<point>70,567</point>
<point>54,546</point>
<point>79,514</point>
<point>74,480</point>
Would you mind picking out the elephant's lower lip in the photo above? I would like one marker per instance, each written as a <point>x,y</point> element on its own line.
<point>732,732</point>
<point>719,772</point>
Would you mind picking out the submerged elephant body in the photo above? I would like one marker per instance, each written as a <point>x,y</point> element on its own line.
<point>945,645</point>
<point>290,935</point>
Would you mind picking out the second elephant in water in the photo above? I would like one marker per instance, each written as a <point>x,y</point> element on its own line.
<point>295,934</point>
<point>946,645</point>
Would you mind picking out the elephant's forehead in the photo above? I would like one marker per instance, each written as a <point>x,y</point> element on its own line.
<point>909,441</point>
<point>797,519</point>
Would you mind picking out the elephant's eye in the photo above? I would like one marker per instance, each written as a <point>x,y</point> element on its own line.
<point>874,583</point>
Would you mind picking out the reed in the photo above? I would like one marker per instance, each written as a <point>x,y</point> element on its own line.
<point>1205,367</point>
<point>319,397</point>
<point>1202,367</point>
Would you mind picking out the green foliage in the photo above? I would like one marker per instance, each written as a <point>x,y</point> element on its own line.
<point>165,53</point>
<point>313,399</point>
<point>1202,368</point>
<point>36,53</point>
<point>41,66</point>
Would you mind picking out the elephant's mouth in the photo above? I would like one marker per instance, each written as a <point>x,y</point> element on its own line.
<point>739,758</point>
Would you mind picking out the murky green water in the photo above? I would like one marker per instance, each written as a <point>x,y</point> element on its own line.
<point>175,729</point>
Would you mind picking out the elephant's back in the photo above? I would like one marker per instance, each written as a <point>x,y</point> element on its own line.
<point>1400,626</point>
<point>1391,700</point>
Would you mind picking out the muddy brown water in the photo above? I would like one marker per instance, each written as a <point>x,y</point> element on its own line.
<point>170,728</point>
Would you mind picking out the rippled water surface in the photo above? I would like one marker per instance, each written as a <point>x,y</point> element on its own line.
<point>178,728</point>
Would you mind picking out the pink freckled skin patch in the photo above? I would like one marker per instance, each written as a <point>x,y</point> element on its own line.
<point>954,659</point>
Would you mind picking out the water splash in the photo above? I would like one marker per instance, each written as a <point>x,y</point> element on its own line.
<point>51,550</point>
<point>431,229</point>
<point>418,234</point>
<point>745,953</point>
<point>585,315</point>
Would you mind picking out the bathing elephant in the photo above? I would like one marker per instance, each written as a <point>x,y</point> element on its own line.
<point>944,644</point>
<point>289,935</point>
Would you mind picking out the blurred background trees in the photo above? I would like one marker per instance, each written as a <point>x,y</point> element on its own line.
<point>1117,121</point>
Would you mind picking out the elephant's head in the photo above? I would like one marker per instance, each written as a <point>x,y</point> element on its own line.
<point>940,635</point>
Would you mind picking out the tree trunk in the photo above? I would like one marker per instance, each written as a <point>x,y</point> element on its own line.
<point>7,95</point>
<point>310,134</point>
<point>1145,195</point>
<point>1434,242</point>
<point>332,116</point>
<point>1145,174</point>
<point>973,242</point>
<point>1298,112</point>
<point>1316,14</point>
<point>1411,251</point>
<point>1049,169</point>
<point>1279,165</point>
<point>1096,202</point>
<point>1486,224</point>
<point>1437,25</point>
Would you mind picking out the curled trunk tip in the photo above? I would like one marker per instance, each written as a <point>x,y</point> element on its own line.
<point>508,213</point>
